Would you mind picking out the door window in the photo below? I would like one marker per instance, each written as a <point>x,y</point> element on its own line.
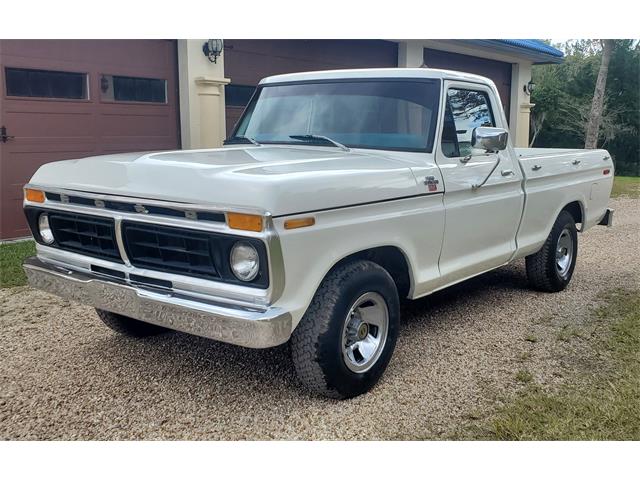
<point>464,111</point>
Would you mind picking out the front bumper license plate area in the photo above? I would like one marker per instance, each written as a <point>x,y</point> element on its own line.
<point>255,328</point>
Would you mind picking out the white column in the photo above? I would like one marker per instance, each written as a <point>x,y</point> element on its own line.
<point>202,107</point>
<point>520,104</point>
<point>410,53</point>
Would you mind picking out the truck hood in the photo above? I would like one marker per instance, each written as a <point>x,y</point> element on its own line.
<point>278,179</point>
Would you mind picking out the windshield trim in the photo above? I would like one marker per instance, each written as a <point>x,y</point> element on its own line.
<point>431,140</point>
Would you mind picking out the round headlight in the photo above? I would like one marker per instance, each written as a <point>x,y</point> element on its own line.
<point>45,230</point>
<point>245,261</point>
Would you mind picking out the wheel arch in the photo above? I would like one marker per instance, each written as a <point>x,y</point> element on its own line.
<point>576,210</point>
<point>390,257</point>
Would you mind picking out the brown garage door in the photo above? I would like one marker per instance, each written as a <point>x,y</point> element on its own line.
<point>63,99</point>
<point>248,61</point>
<point>499,72</point>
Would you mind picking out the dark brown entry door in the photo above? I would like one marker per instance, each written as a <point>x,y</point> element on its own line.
<point>499,72</point>
<point>63,99</point>
<point>246,62</point>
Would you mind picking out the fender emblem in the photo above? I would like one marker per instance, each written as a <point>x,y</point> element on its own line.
<point>432,183</point>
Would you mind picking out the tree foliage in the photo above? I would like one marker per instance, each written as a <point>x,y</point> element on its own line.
<point>564,93</point>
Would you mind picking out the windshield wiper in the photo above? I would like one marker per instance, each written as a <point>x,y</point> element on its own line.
<point>321,138</point>
<point>239,139</point>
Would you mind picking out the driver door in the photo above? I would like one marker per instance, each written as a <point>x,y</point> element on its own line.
<point>480,223</point>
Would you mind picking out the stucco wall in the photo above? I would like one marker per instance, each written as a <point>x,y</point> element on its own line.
<point>201,83</point>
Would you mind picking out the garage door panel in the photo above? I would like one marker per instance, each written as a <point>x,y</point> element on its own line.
<point>113,125</point>
<point>248,61</point>
<point>49,128</point>
<point>26,126</point>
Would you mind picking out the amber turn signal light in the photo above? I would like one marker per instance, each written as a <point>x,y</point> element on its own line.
<point>34,195</point>
<point>244,221</point>
<point>299,223</point>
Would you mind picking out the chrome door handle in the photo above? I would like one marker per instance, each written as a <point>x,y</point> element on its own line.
<point>576,161</point>
<point>506,173</point>
<point>535,168</point>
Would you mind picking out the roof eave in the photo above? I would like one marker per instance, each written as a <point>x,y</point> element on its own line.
<point>537,58</point>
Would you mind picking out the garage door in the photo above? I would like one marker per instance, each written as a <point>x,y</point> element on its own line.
<point>246,62</point>
<point>499,72</point>
<point>74,98</point>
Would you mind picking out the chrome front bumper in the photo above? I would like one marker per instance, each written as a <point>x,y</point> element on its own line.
<point>258,327</point>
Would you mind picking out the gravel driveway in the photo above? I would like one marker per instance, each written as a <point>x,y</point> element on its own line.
<point>63,375</point>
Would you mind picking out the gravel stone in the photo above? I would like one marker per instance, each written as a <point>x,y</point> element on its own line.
<point>64,375</point>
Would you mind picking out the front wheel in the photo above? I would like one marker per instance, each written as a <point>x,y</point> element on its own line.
<point>345,340</point>
<point>551,268</point>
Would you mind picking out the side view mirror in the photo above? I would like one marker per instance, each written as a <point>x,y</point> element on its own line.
<point>490,139</point>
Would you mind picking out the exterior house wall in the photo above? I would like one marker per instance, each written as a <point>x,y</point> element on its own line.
<point>201,83</point>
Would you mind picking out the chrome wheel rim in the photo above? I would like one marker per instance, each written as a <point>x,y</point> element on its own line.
<point>564,252</point>
<point>365,332</point>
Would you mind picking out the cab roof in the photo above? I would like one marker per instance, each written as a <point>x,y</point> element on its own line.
<point>364,73</point>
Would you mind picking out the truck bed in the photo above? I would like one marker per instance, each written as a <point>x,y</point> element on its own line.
<point>552,178</point>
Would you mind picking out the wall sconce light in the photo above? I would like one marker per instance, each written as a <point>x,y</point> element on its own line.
<point>104,84</point>
<point>212,49</point>
<point>528,88</point>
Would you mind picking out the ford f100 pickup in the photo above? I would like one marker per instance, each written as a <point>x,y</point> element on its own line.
<point>338,194</point>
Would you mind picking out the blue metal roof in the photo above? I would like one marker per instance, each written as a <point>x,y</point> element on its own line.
<point>535,50</point>
<point>533,45</point>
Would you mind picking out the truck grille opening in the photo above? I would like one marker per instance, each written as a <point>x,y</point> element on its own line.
<point>85,234</point>
<point>168,249</point>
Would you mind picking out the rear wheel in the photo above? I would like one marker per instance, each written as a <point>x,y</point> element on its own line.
<point>345,340</point>
<point>551,268</point>
<point>128,326</point>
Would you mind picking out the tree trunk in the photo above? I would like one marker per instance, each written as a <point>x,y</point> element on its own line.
<point>537,126</point>
<point>597,105</point>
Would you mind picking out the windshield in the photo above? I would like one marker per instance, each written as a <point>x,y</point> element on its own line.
<point>396,115</point>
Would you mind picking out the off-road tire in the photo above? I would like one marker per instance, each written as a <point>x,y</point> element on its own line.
<point>129,326</point>
<point>541,266</point>
<point>316,342</point>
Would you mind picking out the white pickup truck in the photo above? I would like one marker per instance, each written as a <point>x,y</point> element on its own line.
<point>338,193</point>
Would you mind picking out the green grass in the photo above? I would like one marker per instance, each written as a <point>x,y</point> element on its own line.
<point>628,186</point>
<point>11,257</point>
<point>524,376</point>
<point>605,405</point>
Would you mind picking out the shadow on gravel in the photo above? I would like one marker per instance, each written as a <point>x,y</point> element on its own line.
<point>475,291</point>
<point>179,361</point>
<point>186,355</point>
